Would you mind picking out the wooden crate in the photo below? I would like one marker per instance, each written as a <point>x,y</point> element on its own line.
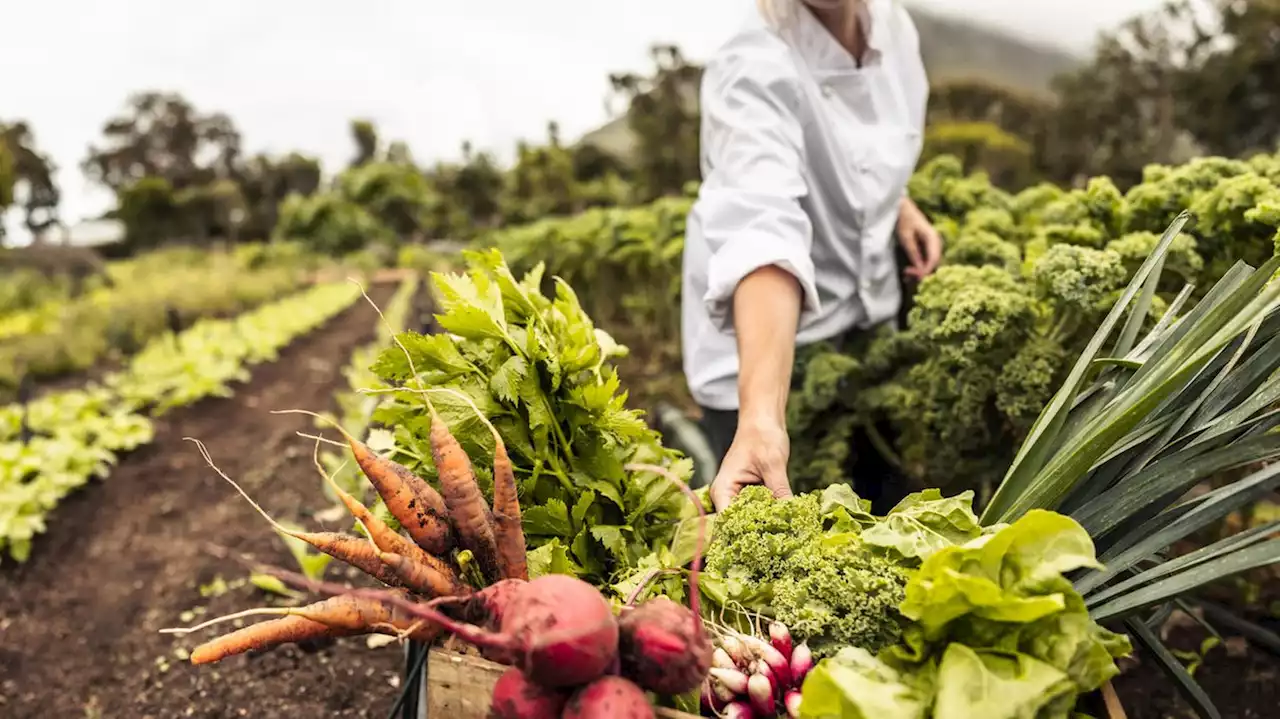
<point>459,687</point>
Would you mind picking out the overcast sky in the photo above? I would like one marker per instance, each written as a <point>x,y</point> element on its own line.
<point>292,73</point>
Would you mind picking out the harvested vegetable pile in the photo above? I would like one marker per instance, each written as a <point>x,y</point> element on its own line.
<point>922,612</point>
<point>570,656</point>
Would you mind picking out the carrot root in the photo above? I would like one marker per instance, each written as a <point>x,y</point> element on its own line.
<point>263,635</point>
<point>416,505</point>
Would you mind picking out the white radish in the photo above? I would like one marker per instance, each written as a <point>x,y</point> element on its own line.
<point>736,651</point>
<point>720,658</point>
<point>792,703</point>
<point>760,692</point>
<point>715,696</point>
<point>761,667</point>
<point>739,710</point>
<point>801,663</point>
<point>732,679</point>
<point>780,638</point>
<point>778,663</point>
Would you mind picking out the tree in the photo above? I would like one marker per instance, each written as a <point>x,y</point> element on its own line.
<point>541,183</point>
<point>162,135</point>
<point>397,195</point>
<point>26,178</point>
<point>266,181</point>
<point>8,179</point>
<point>662,113</point>
<point>1234,84</point>
<point>1122,111</point>
<point>366,139</point>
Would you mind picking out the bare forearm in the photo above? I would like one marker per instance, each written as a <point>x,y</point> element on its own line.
<point>766,311</point>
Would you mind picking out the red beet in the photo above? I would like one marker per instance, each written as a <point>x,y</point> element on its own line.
<point>486,609</point>
<point>663,647</point>
<point>559,630</point>
<point>609,698</point>
<point>515,697</point>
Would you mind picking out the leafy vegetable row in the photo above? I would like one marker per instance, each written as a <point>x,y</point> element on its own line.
<point>72,334</point>
<point>79,434</point>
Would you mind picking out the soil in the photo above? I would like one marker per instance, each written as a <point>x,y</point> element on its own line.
<point>1242,681</point>
<point>157,541</point>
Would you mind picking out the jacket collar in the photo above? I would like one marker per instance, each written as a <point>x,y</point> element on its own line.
<point>826,55</point>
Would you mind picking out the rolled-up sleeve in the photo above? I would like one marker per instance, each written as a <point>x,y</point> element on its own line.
<point>748,206</point>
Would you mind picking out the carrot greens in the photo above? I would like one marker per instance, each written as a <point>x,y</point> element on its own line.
<point>524,352</point>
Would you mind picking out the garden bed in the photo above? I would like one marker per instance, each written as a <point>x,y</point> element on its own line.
<point>129,556</point>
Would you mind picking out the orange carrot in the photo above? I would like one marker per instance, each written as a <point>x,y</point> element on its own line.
<point>466,505</point>
<point>416,505</point>
<point>342,615</point>
<point>270,633</point>
<point>423,578</point>
<point>507,532</point>
<point>345,547</point>
<point>386,539</point>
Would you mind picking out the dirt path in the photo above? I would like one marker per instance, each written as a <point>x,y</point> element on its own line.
<point>122,559</point>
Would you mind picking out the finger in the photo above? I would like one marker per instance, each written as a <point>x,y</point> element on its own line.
<point>933,250</point>
<point>912,248</point>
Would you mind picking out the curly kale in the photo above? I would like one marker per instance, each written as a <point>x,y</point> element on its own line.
<point>1182,263</point>
<point>1228,224</point>
<point>1028,381</point>
<point>1078,279</point>
<point>829,593</point>
<point>964,313</point>
<point>841,596</point>
<point>980,248</point>
<point>756,535</point>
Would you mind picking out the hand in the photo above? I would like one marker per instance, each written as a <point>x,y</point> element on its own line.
<point>920,240</point>
<point>758,455</point>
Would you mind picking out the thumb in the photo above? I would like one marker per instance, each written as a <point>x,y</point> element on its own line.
<point>778,483</point>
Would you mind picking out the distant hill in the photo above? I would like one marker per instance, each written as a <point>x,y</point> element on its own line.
<point>953,48</point>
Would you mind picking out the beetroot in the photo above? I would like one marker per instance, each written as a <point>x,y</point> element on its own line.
<point>515,697</point>
<point>663,647</point>
<point>559,630</point>
<point>609,698</point>
<point>486,608</point>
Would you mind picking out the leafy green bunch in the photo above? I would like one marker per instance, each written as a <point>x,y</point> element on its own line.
<point>536,366</point>
<point>822,564</point>
<point>993,629</point>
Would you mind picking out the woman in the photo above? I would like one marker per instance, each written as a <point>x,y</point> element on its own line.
<point>812,119</point>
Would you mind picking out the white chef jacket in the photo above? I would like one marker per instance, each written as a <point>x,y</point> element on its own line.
<point>805,158</point>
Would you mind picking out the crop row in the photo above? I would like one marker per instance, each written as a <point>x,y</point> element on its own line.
<point>57,443</point>
<point>135,301</point>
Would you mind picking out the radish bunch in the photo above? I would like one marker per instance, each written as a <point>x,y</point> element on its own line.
<point>751,678</point>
